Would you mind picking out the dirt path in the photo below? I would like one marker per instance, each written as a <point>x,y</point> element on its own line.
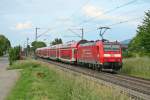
<point>7,78</point>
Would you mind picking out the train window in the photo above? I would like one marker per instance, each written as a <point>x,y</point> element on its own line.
<point>88,44</point>
<point>114,47</point>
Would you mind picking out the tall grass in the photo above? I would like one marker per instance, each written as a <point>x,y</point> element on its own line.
<point>41,81</point>
<point>139,67</point>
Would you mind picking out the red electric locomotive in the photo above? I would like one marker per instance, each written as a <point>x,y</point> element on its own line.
<point>102,55</point>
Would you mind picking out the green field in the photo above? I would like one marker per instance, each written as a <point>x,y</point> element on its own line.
<point>40,81</point>
<point>139,67</point>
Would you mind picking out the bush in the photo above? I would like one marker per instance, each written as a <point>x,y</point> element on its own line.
<point>127,54</point>
<point>1,52</point>
<point>139,66</point>
<point>14,54</point>
<point>24,64</point>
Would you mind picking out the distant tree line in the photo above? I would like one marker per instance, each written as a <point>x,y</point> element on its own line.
<point>37,44</point>
<point>56,41</point>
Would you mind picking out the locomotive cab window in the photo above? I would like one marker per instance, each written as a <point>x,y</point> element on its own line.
<point>111,47</point>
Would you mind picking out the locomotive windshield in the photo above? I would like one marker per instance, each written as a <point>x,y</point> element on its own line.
<point>111,47</point>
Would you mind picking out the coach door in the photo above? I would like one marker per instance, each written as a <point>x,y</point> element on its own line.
<point>73,54</point>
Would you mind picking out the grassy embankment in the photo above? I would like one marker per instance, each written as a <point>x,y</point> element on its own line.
<point>139,67</point>
<point>40,82</point>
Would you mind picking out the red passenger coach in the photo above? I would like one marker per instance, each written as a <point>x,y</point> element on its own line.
<point>54,52</point>
<point>43,52</point>
<point>68,51</point>
<point>38,52</point>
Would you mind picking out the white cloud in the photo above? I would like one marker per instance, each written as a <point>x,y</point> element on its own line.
<point>92,11</point>
<point>23,25</point>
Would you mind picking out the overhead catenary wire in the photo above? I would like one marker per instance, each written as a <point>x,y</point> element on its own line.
<point>125,21</point>
<point>63,22</point>
<point>44,32</point>
<point>109,25</point>
<point>117,23</point>
<point>85,21</point>
<point>77,35</point>
<point>106,12</point>
<point>109,11</point>
<point>79,8</point>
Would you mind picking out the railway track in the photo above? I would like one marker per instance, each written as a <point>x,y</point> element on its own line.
<point>137,88</point>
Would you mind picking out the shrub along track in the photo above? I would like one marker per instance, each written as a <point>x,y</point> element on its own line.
<point>137,88</point>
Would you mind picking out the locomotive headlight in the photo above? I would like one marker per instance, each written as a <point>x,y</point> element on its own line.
<point>117,55</point>
<point>112,55</point>
<point>107,55</point>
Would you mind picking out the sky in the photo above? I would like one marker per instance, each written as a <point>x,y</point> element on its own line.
<point>64,19</point>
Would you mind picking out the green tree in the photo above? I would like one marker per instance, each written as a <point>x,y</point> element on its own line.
<point>56,41</point>
<point>141,42</point>
<point>37,44</point>
<point>4,45</point>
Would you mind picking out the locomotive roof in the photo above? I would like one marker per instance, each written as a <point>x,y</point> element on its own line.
<point>55,46</point>
<point>88,43</point>
<point>42,48</point>
<point>72,44</point>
